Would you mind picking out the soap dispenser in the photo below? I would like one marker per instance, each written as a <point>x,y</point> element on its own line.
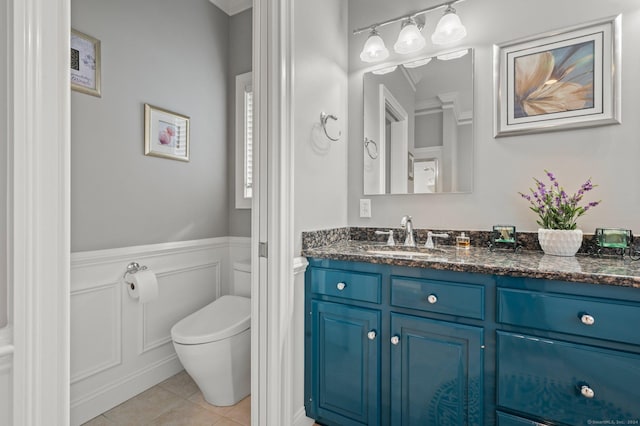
<point>462,241</point>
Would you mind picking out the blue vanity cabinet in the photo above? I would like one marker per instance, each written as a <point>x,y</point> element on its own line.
<point>436,372</point>
<point>346,345</point>
<point>567,353</point>
<point>393,346</point>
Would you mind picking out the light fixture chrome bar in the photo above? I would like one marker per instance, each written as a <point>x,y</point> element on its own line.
<point>403,17</point>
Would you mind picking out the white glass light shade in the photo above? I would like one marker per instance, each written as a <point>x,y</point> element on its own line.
<point>417,63</point>
<point>453,55</point>
<point>374,49</point>
<point>410,38</point>
<point>449,28</point>
<point>385,70</point>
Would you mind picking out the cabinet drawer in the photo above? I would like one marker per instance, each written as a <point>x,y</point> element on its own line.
<point>505,419</point>
<point>568,314</point>
<point>346,284</point>
<point>445,297</point>
<point>543,378</point>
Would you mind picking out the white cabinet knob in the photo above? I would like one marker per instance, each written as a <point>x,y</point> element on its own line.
<point>432,298</point>
<point>372,335</point>
<point>395,340</point>
<point>587,392</point>
<point>341,286</point>
<point>587,319</point>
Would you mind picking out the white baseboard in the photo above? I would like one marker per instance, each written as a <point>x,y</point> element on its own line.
<point>300,418</point>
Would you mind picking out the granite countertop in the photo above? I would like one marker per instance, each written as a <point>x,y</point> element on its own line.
<point>581,268</point>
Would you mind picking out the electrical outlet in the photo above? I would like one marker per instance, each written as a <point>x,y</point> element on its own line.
<point>365,207</point>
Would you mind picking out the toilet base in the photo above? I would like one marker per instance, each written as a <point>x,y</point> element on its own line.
<point>222,369</point>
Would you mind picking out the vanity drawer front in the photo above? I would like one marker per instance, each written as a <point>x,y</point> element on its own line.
<point>445,297</point>
<point>543,378</point>
<point>505,419</point>
<point>568,314</point>
<point>346,284</point>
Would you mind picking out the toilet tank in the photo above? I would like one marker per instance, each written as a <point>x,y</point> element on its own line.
<point>242,278</point>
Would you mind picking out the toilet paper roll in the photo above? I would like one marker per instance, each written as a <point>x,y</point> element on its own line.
<point>143,285</point>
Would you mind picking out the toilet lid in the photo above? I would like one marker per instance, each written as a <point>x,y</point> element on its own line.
<point>222,318</point>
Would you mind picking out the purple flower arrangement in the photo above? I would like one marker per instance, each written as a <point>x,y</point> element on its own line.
<point>555,208</point>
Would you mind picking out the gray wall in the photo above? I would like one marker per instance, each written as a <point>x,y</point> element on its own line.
<point>4,38</point>
<point>504,166</point>
<point>240,34</point>
<point>172,55</point>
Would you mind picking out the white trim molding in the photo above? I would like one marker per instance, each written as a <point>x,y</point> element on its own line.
<point>39,204</point>
<point>232,7</point>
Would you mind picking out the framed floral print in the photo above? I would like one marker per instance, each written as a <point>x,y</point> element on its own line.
<point>166,133</point>
<point>559,80</point>
<point>85,64</point>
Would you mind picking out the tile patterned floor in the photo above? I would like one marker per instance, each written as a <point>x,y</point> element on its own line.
<point>175,402</point>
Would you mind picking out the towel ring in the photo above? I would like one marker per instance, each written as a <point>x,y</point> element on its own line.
<point>367,142</point>
<point>323,121</point>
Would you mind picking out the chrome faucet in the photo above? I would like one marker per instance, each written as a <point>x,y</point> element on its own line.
<point>430,239</point>
<point>406,223</point>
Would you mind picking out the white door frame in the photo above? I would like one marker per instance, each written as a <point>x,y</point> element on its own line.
<point>39,249</point>
<point>38,204</point>
<point>272,213</point>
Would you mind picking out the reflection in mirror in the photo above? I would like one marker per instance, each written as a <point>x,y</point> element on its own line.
<point>418,115</point>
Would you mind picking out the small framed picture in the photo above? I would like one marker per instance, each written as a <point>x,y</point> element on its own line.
<point>558,80</point>
<point>166,133</point>
<point>85,64</point>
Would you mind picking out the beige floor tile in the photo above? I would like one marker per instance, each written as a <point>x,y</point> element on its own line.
<point>99,421</point>
<point>199,399</point>
<point>181,384</point>
<point>241,412</point>
<point>226,422</point>
<point>143,408</point>
<point>186,413</point>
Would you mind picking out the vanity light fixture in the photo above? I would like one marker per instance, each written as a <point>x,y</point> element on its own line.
<point>448,30</point>
<point>374,49</point>
<point>453,55</point>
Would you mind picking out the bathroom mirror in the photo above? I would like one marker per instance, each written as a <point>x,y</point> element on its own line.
<point>418,126</point>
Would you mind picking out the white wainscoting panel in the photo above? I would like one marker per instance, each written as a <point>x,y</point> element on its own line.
<point>120,347</point>
<point>100,345</point>
<point>181,290</point>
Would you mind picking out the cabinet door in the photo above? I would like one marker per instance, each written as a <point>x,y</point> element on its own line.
<point>436,372</point>
<point>345,364</point>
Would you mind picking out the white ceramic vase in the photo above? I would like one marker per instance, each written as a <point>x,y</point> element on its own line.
<point>560,242</point>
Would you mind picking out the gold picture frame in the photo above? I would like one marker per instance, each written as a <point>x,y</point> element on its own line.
<point>166,133</point>
<point>85,64</point>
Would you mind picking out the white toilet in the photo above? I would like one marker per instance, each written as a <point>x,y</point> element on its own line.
<point>213,343</point>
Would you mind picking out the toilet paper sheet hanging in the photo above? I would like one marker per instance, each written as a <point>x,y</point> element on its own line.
<point>141,282</point>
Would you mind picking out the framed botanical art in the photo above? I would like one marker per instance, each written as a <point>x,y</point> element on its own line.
<point>166,133</point>
<point>85,63</point>
<point>559,80</point>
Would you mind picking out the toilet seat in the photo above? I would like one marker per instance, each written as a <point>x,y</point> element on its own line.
<point>222,318</point>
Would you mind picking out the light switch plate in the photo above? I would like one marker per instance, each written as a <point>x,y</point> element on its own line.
<point>365,207</point>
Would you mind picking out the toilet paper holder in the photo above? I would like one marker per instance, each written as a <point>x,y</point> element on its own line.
<point>132,268</point>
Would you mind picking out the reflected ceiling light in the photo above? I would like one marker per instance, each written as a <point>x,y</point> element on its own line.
<point>385,70</point>
<point>417,63</point>
<point>410,39</point>
<point>374,49</point>
<point>449,28</point>
<point>453,55</point>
